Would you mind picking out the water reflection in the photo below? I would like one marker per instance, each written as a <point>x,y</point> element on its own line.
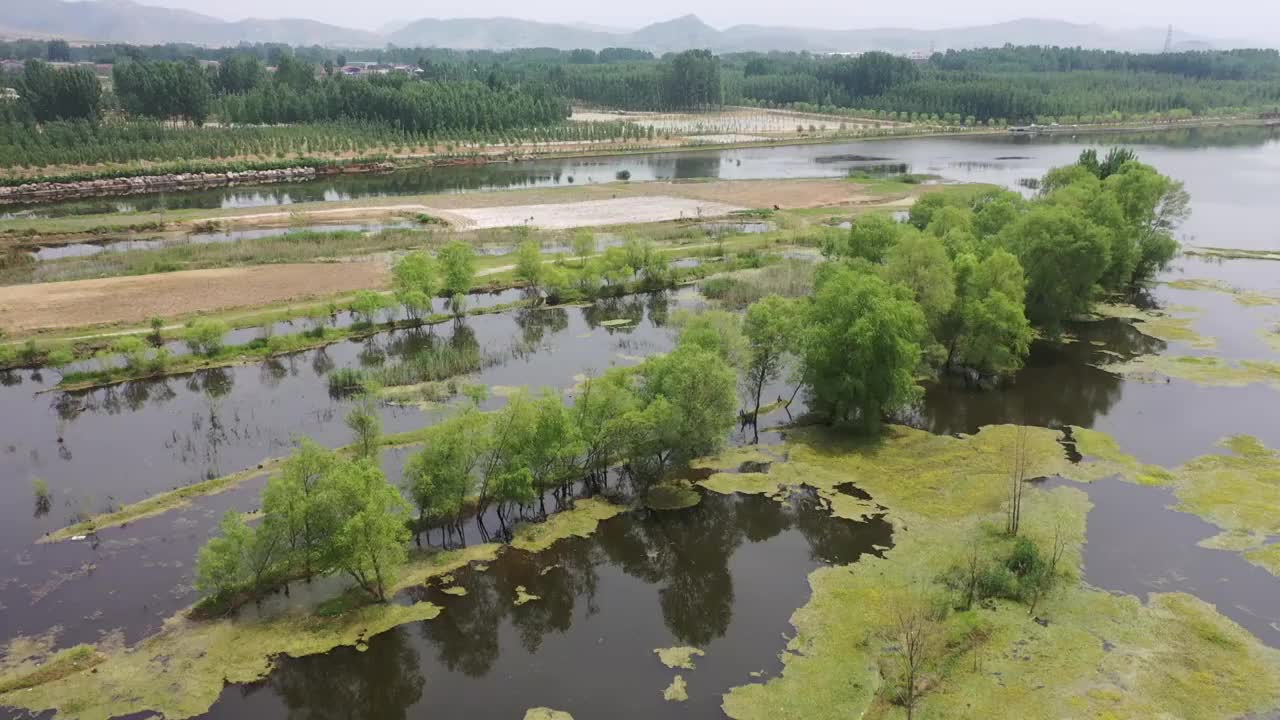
<point>723,576</point>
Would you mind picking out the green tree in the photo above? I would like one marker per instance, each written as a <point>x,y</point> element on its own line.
<point>204,336</point>
<point>919,262</point>
<point>50,93</point>
<point>370,542</point>
<point>365,424</point>
<point>439,478</point>
<point>861,347</point>
<point>529,267</point>
<point>366,305</point>
<point>220,564</point>
<point>301,500</point>
<point>457,267</point>
<point>691,403</point>
<point>771,330</point>
<point>584,244</point>
<point>601,407</point>
<point>870,238</point>
<point>717,331</point>
<point>1064,256</point>
<point>416,281</point>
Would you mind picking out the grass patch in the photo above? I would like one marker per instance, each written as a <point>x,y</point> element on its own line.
<point>161,503</point>
<point>60,665</point>
<point>580,521</point>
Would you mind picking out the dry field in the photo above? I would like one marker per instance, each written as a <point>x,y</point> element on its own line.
<point>106,301</point>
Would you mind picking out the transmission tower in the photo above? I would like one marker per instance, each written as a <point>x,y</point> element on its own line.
<point>1168,40</point>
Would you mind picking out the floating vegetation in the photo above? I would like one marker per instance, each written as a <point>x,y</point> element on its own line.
<point>1233,253</point>
<point>454,590</point>
<point>24,674</point>
<point>542,713</point>
<point>1159,325</point>
<point>617,322</point>
<point>1247,298</point>
<point>674,495</point>
<point>1202,370</point>
<point>1238,491</point>
<point>677,691</point>
<point>1087,653</point>
<point>679,657</point>
<point>580,521</point>
<point>523,596</point>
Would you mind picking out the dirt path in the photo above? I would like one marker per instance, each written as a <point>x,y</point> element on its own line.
<point>50,306</point>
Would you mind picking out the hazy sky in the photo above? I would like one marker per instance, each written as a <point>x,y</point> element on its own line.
<point>1243,18</point>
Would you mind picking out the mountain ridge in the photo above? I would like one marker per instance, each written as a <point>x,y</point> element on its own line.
<point>127,21</point>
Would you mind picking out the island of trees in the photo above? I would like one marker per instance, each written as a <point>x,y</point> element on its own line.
<point>962,285</point>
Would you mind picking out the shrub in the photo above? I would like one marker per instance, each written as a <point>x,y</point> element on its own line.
<point>204,336</point>
<point>346,381</point>
<point>998,582</point>
<point>59,358</point>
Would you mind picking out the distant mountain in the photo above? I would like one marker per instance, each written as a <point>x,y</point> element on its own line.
<point>127,21</point>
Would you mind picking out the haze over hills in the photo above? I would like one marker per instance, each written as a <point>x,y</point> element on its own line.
<point>131,22</point>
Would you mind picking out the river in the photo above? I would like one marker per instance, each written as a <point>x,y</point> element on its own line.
<point>725,576</point>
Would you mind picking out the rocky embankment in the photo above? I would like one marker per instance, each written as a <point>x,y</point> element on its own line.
<point>46,191</point>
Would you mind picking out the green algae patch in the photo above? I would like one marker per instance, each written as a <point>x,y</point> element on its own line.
<point>677,691</point>
<point>619,322</point>
<point>26,674</point>
<point>1159,325</point>
<point>1247,298</point>
<point>735,458</point>
<point>1267,557</point>
<point>1202,370</point>
<point>454,590</point>
<point>745,483</point>
<point>675,495</point>
<point>1085,653</point>
<point>543,713</point>
<point>580,521</point>
<point>427,565</point>
<point>679,657</point>
<point>180,671</point>
<point>524,596</point>
<point>1239,492</point>
<point>160,504</point>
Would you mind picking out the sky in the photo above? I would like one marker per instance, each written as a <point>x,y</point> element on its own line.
<point>1223,18</point>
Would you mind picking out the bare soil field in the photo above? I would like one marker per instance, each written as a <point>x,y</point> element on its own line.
<point>737,193</point>
<point>590,213</point>
<point>107,301</point>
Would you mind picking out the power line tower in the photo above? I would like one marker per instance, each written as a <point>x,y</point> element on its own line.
<point>1168,40</point>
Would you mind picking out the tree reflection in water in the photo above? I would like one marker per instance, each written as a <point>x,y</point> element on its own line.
<point>666,577</point>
